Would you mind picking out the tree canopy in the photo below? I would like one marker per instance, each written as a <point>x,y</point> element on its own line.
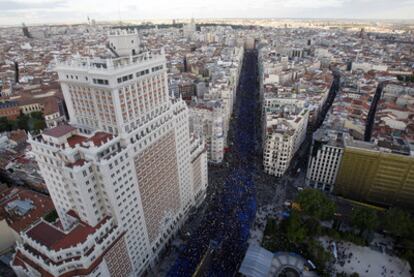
<point>398,222</point>
<point>315,204</point>
<point>295,231</point>
<point>364,219</point>
<point>33,122</point>
<point>5,125</point>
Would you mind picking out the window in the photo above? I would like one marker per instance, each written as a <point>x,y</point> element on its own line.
<point>100,81</point>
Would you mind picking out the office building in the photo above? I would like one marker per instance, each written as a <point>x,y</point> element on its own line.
<point>371,173</point>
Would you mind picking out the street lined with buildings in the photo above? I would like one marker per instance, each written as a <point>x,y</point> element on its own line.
<point>164,151</point>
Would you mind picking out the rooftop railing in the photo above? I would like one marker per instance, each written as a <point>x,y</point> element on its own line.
<point>100,64</point>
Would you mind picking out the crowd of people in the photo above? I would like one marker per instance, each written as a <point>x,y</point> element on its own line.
<point>218,246</point>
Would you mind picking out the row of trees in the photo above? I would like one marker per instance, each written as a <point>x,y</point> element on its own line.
<point>395,221</point>
<point>303,226</point>
<point>32,122</point>
<point>299,232</point>
<point>406,78</point>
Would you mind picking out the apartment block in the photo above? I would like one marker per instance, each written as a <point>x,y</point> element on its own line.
<point>285,130</point>
<point>325,158</point>
<point>127,159</point>
<point>207,120</point>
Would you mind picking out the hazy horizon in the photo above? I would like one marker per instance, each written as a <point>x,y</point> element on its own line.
<point>14,12</point>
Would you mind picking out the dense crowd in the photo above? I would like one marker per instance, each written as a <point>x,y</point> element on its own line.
<point>218,245</point>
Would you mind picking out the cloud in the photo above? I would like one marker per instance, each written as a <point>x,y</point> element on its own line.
<point>51,11</point>
<point>33,5</point>
<point>312,4</point>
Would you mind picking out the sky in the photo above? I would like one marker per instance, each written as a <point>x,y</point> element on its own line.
<point>14,12</point>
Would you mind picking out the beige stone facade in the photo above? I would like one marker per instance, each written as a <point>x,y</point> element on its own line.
<point>158,182</point>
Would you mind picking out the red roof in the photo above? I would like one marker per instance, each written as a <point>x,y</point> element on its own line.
<point>79,162</point>
<point>73,214</point>
<point>76,139</point>
<point>23,261</point>
<point>59,131</point>
<point>100,137</point>
<point>56,239</point>
<point>42,206</point>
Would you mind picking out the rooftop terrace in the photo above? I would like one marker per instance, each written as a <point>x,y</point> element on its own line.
<point>110,64</point>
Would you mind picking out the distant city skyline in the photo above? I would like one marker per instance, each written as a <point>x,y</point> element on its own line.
<point>14,12</point>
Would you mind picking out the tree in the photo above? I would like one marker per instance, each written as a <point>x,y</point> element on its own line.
<point>318,254</point>
<point>34,122</point>
<point>364,219</point>
<point>22,122</point>
<point>314,203</point>
<point>38,124</point>
<point>37,115</point>
<point>398,222</point>
<point>313,226</point>
<point>295,231</point>
<point>51,217</point>
<point>5,124</point>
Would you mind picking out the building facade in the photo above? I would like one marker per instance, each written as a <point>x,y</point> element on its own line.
<point>127,153</point>
<point>325,158</point>
<point>189,29</point>
<point>9,109</point>
<point>82,250</point>
<point>284,132</point>
<point>207,121</point>
<point>368,173</point>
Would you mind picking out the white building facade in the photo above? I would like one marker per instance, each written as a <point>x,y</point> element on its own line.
<point>127,153</point>
<point>284,133</point>
<point>207,121</point>
<point>325,158</point>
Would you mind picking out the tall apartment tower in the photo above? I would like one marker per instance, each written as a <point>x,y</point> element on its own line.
<point>123,175</point>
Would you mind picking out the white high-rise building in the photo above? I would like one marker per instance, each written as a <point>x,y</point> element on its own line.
<point>123,175</point>
<point>284,131</point>
<point>325,158</point>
